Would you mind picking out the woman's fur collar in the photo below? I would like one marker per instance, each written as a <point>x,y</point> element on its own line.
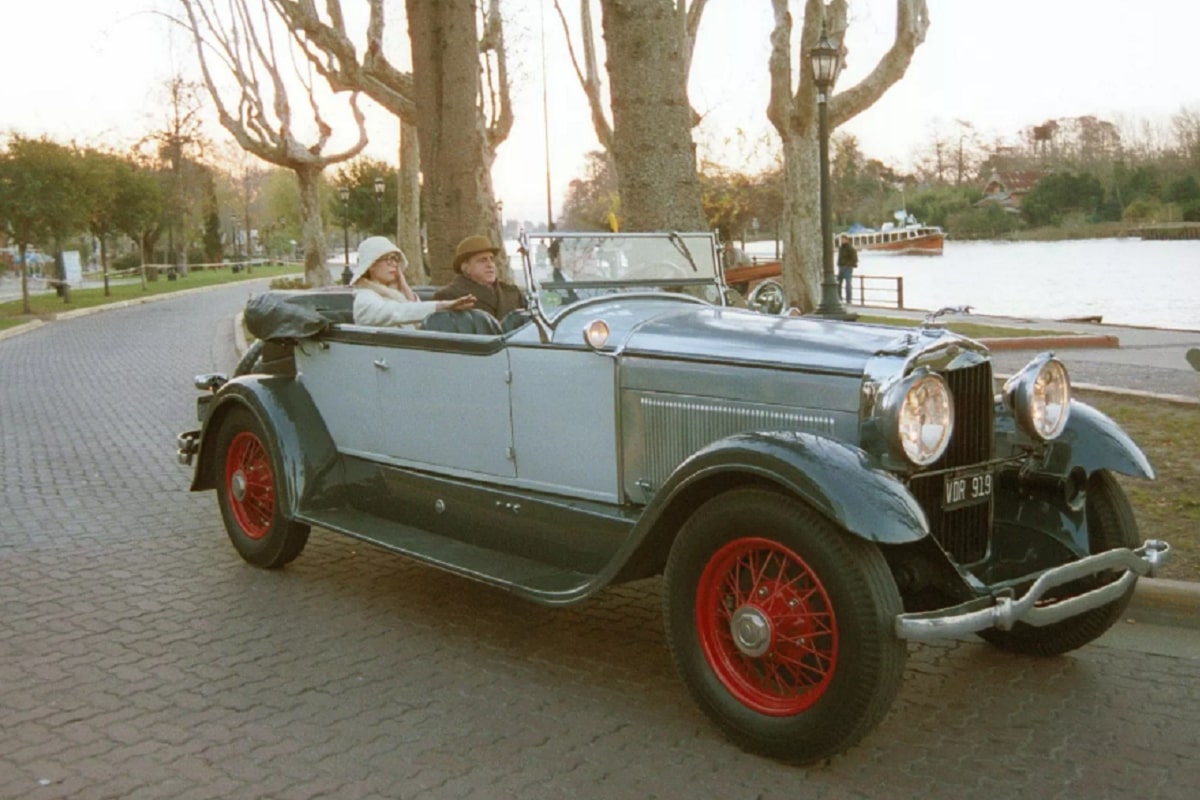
<point>383,291</point>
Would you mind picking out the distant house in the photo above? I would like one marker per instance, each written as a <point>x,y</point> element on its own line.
<point>1006,188</point>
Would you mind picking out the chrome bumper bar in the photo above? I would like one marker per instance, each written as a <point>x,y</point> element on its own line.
<point>1004,612</point>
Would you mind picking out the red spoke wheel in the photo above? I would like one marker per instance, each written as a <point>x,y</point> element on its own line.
<point>250,484</point>
<point>766,626</point>
<point>782,625</point>
<point>250,496</point>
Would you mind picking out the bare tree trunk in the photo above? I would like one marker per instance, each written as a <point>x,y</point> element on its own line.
<point>794,115</point>
<point>801,224</point>
<point>312,230</point>
<point>408,200</point>
<point>648,55</point>
<point>25,307</point>
<point>455,152</point>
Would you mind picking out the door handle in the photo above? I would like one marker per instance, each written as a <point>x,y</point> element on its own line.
<point>380,364</point>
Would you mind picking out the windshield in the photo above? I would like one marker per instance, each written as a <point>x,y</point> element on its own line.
<point>569,267</point>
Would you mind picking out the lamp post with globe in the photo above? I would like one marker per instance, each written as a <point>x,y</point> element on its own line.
<point>379,187</point>
<point>826,60</point>
<point>344,193</point>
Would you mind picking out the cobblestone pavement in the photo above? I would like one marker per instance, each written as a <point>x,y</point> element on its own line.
<point>141,658</point>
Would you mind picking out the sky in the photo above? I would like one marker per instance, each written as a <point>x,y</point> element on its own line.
<point>93,71</point>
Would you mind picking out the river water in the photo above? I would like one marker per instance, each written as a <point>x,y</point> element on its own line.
<point>1124,281</point>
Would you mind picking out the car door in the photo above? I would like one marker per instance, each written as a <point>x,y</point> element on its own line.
<point>433,401</point>
<point>564,421</point>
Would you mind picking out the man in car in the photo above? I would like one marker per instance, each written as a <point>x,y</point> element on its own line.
<point>475,263</point>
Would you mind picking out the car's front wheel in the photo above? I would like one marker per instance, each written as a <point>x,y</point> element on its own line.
<point>1110,524</point>
<point>781,625</point>
<point>249,495</point>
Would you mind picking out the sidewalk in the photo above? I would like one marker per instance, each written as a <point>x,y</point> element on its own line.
<point>1143,362</point>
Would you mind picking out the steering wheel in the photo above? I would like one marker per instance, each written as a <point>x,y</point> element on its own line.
<point>768,298</point>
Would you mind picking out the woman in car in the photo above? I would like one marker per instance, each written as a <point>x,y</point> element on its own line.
<point>382,296</point>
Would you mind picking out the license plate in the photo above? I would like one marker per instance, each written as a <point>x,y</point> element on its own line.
<point>966,489</point>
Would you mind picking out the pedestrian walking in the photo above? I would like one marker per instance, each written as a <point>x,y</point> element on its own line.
<point>847,260</point>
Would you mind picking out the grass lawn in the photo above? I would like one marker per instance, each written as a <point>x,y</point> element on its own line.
<point>1167,507</point>
<point>971,330</point>
<point>47,305</point>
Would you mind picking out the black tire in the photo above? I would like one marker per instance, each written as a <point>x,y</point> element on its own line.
<point>250,360</point>
<point>1110,524</point>
<point>818,663</point>
<point>250,497</point>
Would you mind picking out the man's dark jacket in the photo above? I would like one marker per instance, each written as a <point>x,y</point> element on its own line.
<point>497,300</point>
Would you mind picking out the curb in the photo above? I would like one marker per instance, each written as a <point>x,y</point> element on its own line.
<point>1084,341</point>
<point>1158,601</point>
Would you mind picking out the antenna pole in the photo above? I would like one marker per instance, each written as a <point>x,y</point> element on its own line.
<point>546,119</point>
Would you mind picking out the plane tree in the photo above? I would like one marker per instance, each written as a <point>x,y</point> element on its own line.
<point>240,47</point>
<point>648,46</point>
<point>792,110</point>
<point>454,108</point>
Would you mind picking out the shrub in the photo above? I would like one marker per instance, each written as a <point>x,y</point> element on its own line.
<point>289,282</point>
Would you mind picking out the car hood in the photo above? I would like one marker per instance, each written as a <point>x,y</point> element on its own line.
<point>732,334</point>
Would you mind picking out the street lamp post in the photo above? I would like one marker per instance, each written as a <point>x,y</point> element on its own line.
<point>826,61</point>
<point>379,200</point>
<point>344,193</point>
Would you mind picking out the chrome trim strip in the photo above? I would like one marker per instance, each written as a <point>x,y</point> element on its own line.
<point>1004,612</point>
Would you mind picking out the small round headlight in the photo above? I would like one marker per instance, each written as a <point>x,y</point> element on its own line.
<point>918,417</point>
<point>596,333</point>
<point>1040,397</point>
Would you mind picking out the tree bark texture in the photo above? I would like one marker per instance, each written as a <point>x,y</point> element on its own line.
<point>408,201</point>
<point>456,156</point>
<point>794,115</point>
<point>647,45</point>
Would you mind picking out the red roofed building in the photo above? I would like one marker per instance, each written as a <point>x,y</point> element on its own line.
<point>1006,188</point>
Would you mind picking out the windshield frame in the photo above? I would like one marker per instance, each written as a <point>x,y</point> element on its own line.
<point>602,263</point>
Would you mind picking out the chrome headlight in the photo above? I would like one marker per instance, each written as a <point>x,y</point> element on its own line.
<point>1040,397</point>
<point>918,417</point>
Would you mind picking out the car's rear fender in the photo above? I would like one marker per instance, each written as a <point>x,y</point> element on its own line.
<point>303,451</point>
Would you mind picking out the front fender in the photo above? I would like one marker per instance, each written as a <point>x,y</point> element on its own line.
<point>304,452</point>
<point>836,479</point>
<point>1093,441</point>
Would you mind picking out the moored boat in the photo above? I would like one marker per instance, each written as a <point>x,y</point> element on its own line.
<point>910,237</point>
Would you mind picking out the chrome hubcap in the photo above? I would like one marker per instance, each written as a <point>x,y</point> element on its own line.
<point>237,486</point>
<point>751,630</point>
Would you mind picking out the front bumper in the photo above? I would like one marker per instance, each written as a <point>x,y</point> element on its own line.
<point>1005,611</point>
<point>187,445</point>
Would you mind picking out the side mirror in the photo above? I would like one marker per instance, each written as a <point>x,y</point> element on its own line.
<point>768,298</point>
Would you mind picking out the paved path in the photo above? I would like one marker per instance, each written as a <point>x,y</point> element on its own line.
<point>141,658</point>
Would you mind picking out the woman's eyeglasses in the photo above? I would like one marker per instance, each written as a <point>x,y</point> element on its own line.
<point>393,258</point>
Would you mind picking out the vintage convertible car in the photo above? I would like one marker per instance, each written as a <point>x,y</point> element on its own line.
<point>814,492</point>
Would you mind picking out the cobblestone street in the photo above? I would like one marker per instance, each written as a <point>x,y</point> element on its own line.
<point>140,657</point>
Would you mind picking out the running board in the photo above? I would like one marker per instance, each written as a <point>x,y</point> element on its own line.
<point>543,583</point>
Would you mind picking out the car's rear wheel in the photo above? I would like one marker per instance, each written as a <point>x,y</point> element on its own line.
<point>1111,523</point>
<point>781,625</point>
<point>250,497</point>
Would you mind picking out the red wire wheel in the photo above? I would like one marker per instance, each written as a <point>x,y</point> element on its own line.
<point>767,626</point>
<point>250,484</point>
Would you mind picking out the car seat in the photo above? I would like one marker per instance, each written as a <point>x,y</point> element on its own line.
<point>474,321</point>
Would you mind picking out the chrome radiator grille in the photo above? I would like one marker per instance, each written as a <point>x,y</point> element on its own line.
<point>964,532</point>
<point>674,429</point>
